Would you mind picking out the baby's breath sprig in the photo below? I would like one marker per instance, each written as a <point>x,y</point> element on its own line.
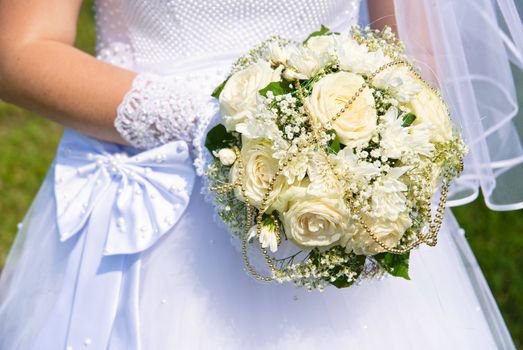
<point>258,52</point>
<point>384,39</point>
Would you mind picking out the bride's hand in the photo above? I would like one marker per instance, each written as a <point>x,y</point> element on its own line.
<point>42,71</point>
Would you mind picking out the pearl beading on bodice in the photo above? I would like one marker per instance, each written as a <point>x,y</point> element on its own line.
<point>132,33</point>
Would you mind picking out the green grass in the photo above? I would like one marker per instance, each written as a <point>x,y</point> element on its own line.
<point>28,142</point>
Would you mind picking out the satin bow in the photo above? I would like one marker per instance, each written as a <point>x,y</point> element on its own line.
<point>144,193</point>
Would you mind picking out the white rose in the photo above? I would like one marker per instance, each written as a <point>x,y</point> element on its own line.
<point>259,167</point>
<point>312,220</point>
<point>238,97</point>
<point>322,44</point>
<point>356,57</point>
<point>431,110</point>
<point>306,63</point>
<point>388,232</point>
<point>357,124</point>
<point>226,155</point>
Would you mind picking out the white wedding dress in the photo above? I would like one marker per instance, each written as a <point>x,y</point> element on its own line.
<point>120,251</point>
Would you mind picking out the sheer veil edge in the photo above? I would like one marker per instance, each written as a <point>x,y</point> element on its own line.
<point>473,49</point>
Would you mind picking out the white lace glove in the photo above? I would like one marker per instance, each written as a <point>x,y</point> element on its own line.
<point>159,109</point>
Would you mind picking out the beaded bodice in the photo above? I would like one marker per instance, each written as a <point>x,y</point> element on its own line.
<point>192,44</point>
<point>147,32</point>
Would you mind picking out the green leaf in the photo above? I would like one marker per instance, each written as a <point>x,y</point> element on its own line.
<point>218,138</point>
<point>408,119</point>
<point>270,221</point>
<point>323,31</point>
<point>315,256</point>
<point>334,146</point>
<point>216,93</point>
<point>395,264</point>
<point>342,282</point>
<point>356,263</point>
<point>277,88</point>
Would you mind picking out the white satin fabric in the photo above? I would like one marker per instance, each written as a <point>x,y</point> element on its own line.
<point>138,192</point>
<point>116,252</point>
<point>189,291</point>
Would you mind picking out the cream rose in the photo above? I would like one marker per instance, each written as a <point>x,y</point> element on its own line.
<point>322,43</point>
<point>357,124</point>
<point>314,221</point>
<point>259,167</point>
<point>238,97</point>
<point>388,232</point>
<point>226,155</point>
<point>431,110</point>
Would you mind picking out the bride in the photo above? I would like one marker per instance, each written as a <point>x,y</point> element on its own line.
<point>119,249</point>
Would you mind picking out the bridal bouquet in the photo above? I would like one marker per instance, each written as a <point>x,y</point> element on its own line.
<point>328,156</point>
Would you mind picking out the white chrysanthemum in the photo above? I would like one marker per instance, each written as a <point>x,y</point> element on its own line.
<point>347,161</point>
<point>305,63</point>
<point>276,53</point>
<point>323,180</point>
<point>297,167</point>
<point>399,82</point>
<point>259,124</point>
<point>397,140</point>
<point>388,198</point>
<point>356,57</point>
<point>268,237</point>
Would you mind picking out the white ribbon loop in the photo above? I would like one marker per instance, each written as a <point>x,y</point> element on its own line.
<point>145,193</point>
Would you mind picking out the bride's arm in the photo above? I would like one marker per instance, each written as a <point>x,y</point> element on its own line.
<point>41,70</point>
<point>381,13</point>
<point>417,36</point>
